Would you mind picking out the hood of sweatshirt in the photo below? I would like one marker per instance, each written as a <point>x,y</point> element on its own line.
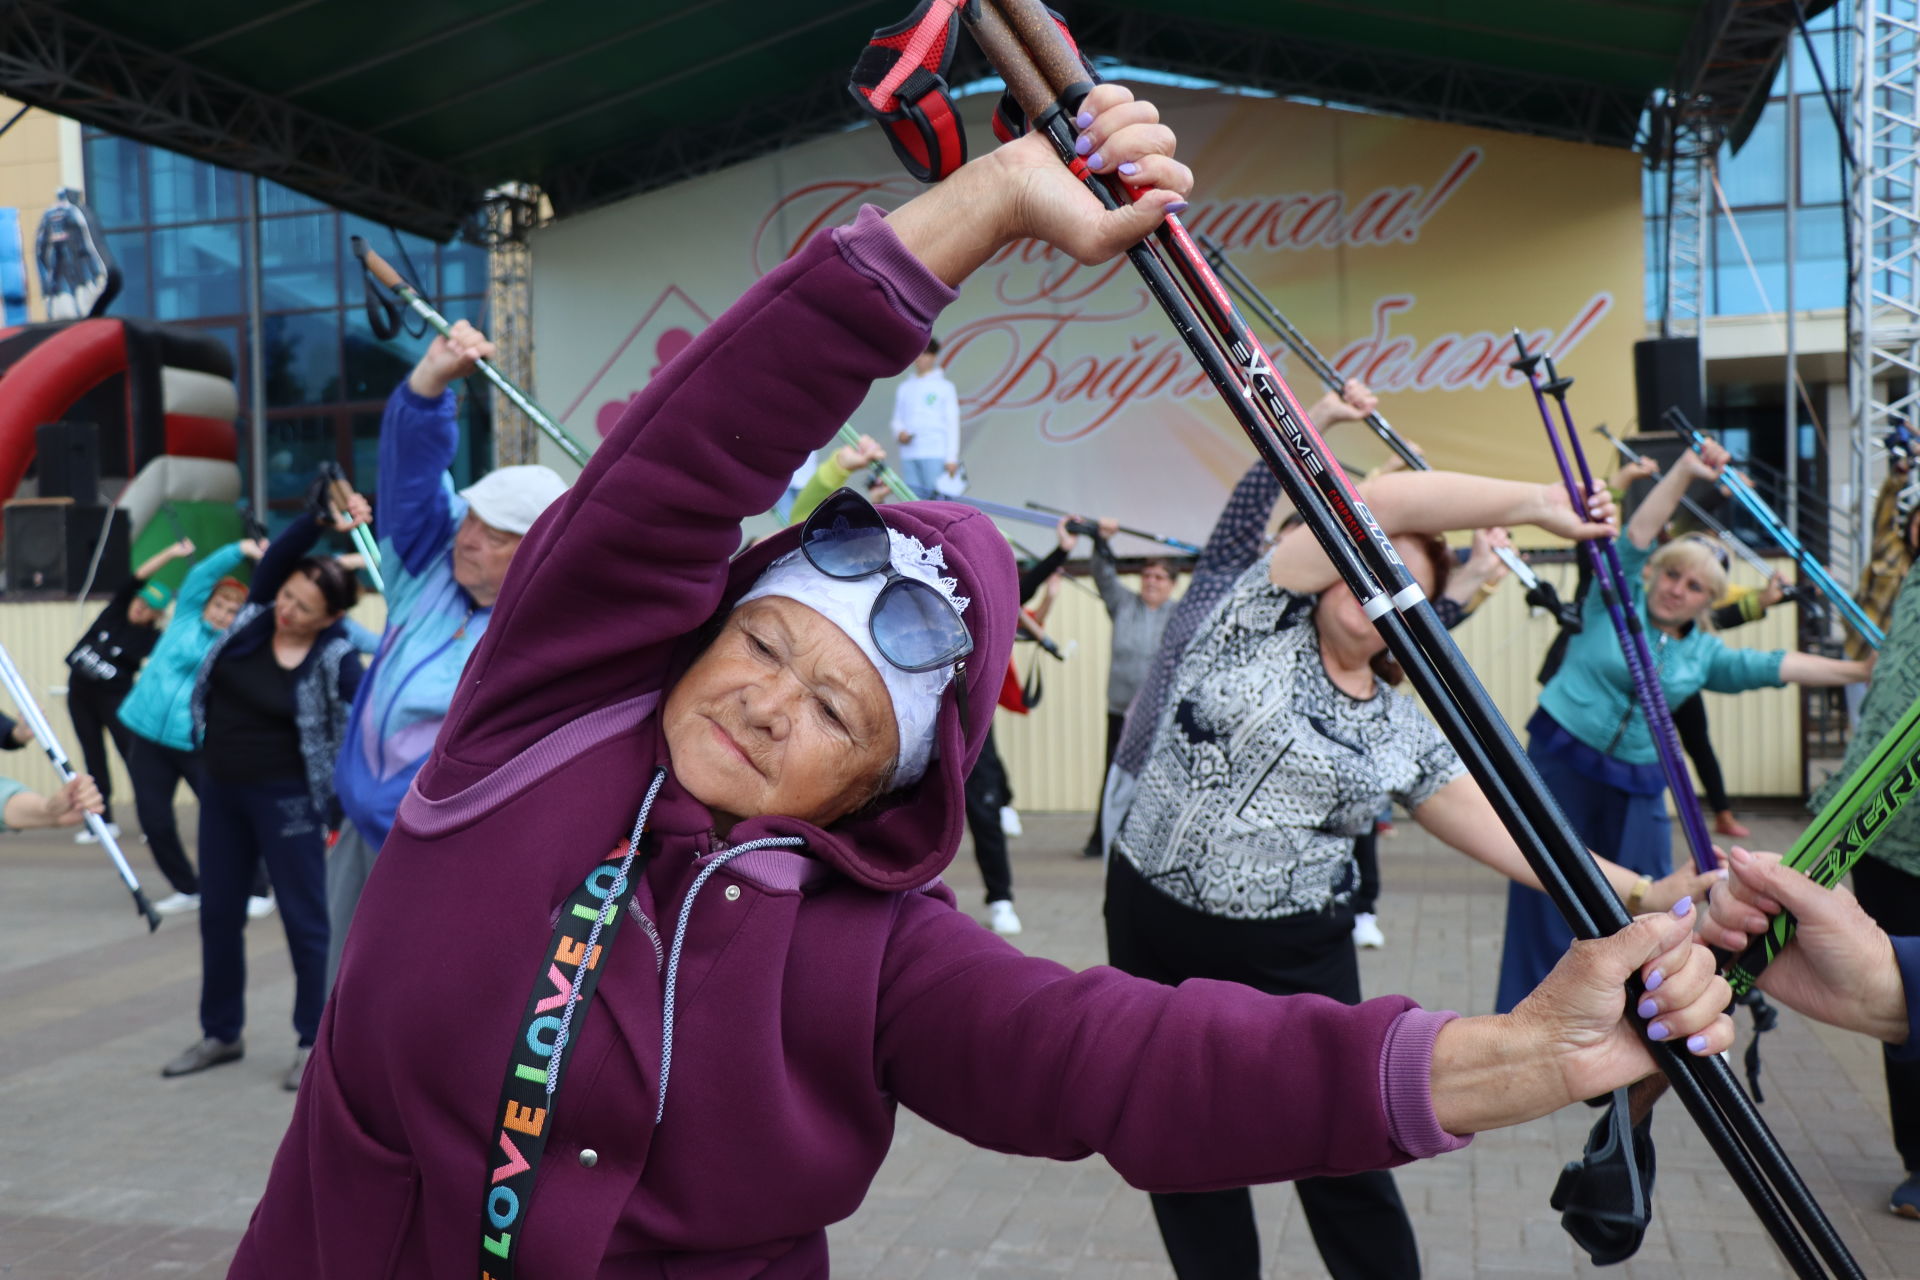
<point>907,837</point>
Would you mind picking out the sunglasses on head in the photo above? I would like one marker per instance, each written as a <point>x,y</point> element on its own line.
<point>1719,552</point>
<point>914,625</point>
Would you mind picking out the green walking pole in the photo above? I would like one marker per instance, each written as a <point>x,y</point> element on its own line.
<point>383,271</point>
<point>1845,829</point>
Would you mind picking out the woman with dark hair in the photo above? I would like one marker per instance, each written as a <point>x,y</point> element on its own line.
<point>270,709</point>
<point>658,944</point>
<point>1277,744</point>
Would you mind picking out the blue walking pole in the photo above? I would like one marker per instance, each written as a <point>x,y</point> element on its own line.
<point>1776,528</point>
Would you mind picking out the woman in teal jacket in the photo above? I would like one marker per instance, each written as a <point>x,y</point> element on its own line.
<point>1590,740</point>
<point>159,711</point>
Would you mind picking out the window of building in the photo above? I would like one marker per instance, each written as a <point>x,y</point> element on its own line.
<point>1762,183</point>
<point>183,233</point>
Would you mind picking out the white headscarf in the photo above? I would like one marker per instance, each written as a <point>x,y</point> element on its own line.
<point>848,604</point>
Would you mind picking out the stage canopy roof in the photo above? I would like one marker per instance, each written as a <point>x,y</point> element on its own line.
<point>411,113</point>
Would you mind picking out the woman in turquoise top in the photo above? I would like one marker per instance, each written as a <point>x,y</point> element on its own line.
<point>1590,740</point>
<point>160,712</point>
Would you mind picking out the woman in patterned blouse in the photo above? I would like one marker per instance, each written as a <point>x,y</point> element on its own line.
<point>1278,742</point>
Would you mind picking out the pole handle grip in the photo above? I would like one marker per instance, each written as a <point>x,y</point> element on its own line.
<point>382,270</point>
<point>1010,57</point>
<point>1049,56</point>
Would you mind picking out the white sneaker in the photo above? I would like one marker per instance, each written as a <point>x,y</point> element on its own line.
<point>178,904</point>
<point>1010,821</point>
<point>259,908</point>
<point>85,836</point>
<point>1366,932</point>
<point>1001,918</point>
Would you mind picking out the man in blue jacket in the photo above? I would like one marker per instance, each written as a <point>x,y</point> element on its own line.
<point>444,556</point>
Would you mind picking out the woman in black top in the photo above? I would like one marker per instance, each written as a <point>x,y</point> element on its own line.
<point>270,709</point>
<point>104,662</point>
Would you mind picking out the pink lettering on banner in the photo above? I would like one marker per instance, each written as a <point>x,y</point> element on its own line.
<point>563,991</point>
<point>1390,362</point>
<point>1301,220</point>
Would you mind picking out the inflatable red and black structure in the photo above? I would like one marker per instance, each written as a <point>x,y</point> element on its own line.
<point>161,402</point>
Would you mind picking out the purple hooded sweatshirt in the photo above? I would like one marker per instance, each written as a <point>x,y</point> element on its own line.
<point>817,990</point>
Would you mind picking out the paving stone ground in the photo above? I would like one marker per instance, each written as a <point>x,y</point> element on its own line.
<point>109,1172</point>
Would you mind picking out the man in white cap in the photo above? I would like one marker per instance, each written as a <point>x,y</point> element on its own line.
<point>444,556</point>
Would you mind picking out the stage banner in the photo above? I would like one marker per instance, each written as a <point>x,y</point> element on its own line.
<point>1406,251</point>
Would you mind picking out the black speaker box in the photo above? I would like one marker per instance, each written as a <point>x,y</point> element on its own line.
<point>50,543</point>
<point>68,454</point>
<point>1666,374</point>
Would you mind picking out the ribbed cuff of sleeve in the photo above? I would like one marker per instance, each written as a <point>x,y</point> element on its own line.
<point>1906,953</point>
<point>870,247</point>
<point>1406,1085</point>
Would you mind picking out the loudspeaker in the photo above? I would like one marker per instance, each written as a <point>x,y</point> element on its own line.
<point>1666,374</point>
<point>50,543</point>
<point>69,457</point>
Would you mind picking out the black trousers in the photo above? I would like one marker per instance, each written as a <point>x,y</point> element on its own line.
<point>1690,723</point>
<point>157,773</point>
<point>1366,855</point>
<point>1892,898</point>
<point>1358,1222</point>
<point>243,828</point>
<point>1116,721</point>
<point>987,790</point>
<point>95,709</point>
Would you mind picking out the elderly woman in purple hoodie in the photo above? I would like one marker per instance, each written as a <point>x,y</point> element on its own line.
<point>658,942</point>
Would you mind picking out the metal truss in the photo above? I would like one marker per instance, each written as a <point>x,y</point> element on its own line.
<point>1429,89</point>
<point>1725,71</point>
<point>1402,84</point>
<point>1688,181</point>
<point>53,60</point>
<point>759,128</point>
<point>1883,364</point>
<point>510,213</point>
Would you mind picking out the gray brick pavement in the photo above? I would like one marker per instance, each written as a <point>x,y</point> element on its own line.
<point>108,1171</point>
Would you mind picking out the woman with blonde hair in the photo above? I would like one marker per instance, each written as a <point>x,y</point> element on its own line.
<point>1589,738</point>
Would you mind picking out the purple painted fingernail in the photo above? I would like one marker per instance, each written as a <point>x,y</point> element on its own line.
<point>1084,119</point>
<point>1658,1030</point>
<point>1683,908</point>
<point>1697,1044</point>
<point>1649,1007</point>
<point>1654,980</point>
<point>1129,169</point>
<point>1082,145</point>
<point>1178,206</point>
<point>1096,160</point>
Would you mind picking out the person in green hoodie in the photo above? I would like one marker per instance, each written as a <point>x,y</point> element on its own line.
<point>159,712</point>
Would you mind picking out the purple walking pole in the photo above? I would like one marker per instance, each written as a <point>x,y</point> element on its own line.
<point>1604,562</point>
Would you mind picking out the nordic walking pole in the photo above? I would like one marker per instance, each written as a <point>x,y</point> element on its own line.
<point>1777,529</point>
<point>887,473</point>
<point>30,714</point>
<point>1178,544</point>
<point>386,275</point>
<point>1845,829</point>
<point>1540,595</point>
<point>1700,513</point>
<point>339,492</point>
<point>1257,396</point>
<point>1603,558</point>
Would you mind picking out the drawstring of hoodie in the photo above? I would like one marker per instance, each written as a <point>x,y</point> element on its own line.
<point>679,940</point>
<point>612,905</point>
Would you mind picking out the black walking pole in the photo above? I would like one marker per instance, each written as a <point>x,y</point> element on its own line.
<point>1048,79</point>
<point>1540,593</point>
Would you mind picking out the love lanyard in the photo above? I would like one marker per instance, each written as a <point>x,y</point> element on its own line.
<point>589,921</point>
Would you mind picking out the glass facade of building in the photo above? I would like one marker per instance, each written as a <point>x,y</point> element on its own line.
<point>1746,255</point>
<point>184,231</point>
